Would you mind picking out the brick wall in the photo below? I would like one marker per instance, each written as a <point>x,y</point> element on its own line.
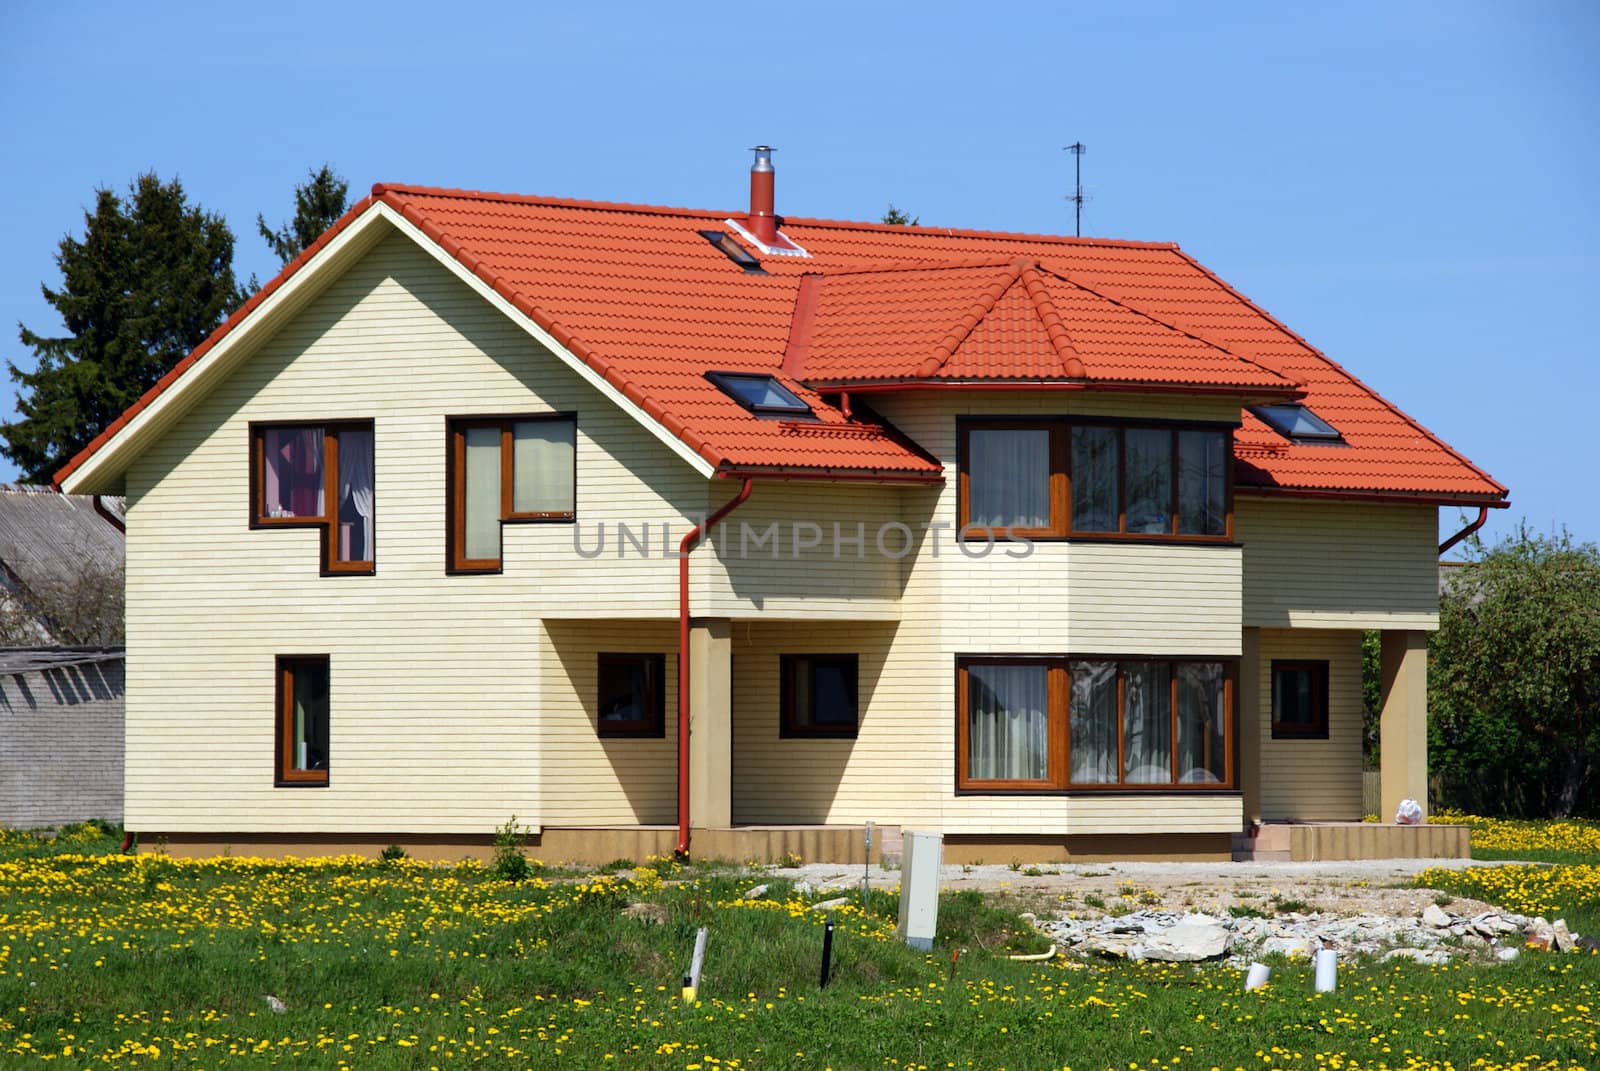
<point>61,745</point>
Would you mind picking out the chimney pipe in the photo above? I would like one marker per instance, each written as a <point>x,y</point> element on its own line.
<point>762,223</point>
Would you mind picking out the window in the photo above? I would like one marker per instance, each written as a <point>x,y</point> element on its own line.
<point>302,720</point>
<point>503,470</point>
<point>631,691</point>
<point>1300,700</point>
<point>1093,723</point>
<point>818,695</point>
<point>1045,479</point>
<point>1297,423</point>
<point>761,394</point>
<point>317,476</point>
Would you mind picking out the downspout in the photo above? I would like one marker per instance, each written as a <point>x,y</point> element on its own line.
<point>687,544</point>
<point>1483,515</point>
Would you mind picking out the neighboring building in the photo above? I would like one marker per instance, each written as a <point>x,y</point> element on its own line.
<point>60,567</point>
<point>402,540</point>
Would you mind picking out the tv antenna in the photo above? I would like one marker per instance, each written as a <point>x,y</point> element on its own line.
<point>1077,149</point>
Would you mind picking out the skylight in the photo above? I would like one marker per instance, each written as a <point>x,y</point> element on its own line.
<point>1297,423</point>
<point>734,251</point>
<point>759,393</point>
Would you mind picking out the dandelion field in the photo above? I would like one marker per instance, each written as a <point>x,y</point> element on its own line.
<point>149,962</point>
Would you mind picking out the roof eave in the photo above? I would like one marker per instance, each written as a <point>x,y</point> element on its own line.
<point>837,475</point>
<point>1417,498</point>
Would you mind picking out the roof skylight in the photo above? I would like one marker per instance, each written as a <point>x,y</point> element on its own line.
<point>734,251</point>
<point>760,393</point>
<point>1297,423</point>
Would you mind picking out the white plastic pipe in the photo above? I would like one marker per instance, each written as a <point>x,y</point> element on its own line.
<point>1037,957</point>
<point>1259,973</point>
<point>1327,970</point>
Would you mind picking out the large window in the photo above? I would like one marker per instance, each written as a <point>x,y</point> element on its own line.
<point>818,695</point>
<point>506,469</point>
<point>1093,723</point>
<point>632,695</point>
<point>1300,700</point>
<point>317,476</point>
<point>1059,478</point>
<point>302,729</point>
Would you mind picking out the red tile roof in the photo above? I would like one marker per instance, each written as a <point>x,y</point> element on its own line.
<point>641,297</point>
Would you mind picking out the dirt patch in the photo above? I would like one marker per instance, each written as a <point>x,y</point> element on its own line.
<point>1377,887</point>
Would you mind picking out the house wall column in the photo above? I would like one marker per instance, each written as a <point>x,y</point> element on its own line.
<point>1403,720</point>
<point>711,723</point>
<point>1250,723</point>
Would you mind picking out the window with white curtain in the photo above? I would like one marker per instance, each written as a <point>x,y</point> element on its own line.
<point>1081,478</point>
<point>507,469</point>
<point>318,476</point>
<point>1067,723</point>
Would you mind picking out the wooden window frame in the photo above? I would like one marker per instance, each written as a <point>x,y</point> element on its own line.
<point>1318,729</point>
<point>788,727</point>
<point>285,776</point>
<point>328,523</point>
<point>1060,527</point>
<point>1058,779</point>
<point>653,726</point>
<point>456,486</point>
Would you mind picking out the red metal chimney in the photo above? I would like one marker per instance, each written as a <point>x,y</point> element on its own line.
<point>762,223</point>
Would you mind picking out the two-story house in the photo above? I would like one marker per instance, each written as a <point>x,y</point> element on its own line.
<point>661,528</point>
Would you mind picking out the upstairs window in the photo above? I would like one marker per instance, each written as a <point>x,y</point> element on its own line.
<point>1297,423</point>
<point>317,476</point>
<point>1058,478</point>
<point>505,470</point>
<point>818,696</point>
<point>761,394</point>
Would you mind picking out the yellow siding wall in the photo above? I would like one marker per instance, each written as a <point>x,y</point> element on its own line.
<point>1313,779</point>
<point>436,694</point>
<point>1312,564</point>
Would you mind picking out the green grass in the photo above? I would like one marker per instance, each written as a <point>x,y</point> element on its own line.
<point>409,966</point>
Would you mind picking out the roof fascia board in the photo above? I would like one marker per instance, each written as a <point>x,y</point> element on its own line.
<point>1412,498</point>
<point>532,327</point>
<point>100,471</point>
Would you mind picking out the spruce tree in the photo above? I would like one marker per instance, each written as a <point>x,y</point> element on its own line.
<point>150,279</point>
<point>317,203</point>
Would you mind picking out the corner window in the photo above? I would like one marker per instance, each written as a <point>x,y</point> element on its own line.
<point>1300,700</point>
<point>317,476</point>
<point>631,692</point>
<point>504,470</point>
<point>1088,723</point>
<point>818,696</point>
<point>302,729</point>
<point>1060,478</point>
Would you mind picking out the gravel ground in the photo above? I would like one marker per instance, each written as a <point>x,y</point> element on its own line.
<point>1381,887</point>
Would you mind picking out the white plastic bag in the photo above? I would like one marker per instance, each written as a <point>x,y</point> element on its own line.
<point>1409,813</point>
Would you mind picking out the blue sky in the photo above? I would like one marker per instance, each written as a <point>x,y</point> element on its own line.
<point>1411,186</point>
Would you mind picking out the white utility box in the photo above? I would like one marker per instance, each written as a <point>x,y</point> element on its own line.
<point>920,856</point>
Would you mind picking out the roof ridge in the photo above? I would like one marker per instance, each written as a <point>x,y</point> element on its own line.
<point>1385,402</point>
<point>964,326</point>
<point>381,188</point>
<point>1055,327</point>
<point>1187,331</point>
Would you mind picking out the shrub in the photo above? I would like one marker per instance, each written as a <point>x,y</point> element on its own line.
<point>509,864</point>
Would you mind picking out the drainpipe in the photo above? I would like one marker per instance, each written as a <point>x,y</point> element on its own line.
<point>684,547</point>
<point>1483,515</point>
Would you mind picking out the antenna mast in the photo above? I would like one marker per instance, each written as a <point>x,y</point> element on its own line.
<point>1076,149</point>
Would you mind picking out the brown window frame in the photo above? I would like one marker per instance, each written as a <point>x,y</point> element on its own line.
<point>788,727</point>
<point>655,671</point>
<point>1318,728</point>
<point>328,523</point>
<point>285,775</point>
<point>456,486</point>
<point>1060,527</point>
<point>1058,777</point>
